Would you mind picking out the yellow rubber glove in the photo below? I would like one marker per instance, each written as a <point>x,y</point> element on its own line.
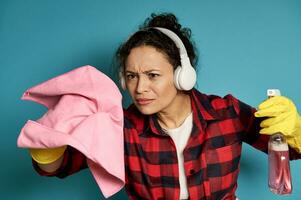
<point>46,156</point>
<point>282,117</point>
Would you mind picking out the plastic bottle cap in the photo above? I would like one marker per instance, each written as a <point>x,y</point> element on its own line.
<point>273,92</point>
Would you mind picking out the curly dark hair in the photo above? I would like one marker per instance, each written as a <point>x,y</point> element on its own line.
<point>153,37</point>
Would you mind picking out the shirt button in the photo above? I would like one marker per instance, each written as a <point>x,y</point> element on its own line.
<point>191,171</point>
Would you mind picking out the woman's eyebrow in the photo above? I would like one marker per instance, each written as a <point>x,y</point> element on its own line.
<point>145,72</point>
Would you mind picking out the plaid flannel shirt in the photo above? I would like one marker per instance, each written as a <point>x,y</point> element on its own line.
<point>211,156</point>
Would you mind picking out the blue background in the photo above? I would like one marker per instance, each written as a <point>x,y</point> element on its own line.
<point>245,47</point>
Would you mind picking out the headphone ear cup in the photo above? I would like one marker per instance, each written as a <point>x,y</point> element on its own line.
<point>176,77</point>
<point>122,81</point>
<point>187,78</point>
<point>184,77</point>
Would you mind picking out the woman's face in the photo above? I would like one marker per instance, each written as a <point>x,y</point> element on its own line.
<point>149,79</point>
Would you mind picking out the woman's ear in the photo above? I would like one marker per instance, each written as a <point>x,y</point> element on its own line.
<point>122,80</point>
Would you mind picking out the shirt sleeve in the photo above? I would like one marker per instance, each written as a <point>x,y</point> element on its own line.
<point>251,126</point>
<point>73,162</point>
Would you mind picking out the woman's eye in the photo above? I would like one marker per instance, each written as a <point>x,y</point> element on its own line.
<point>130,76</point>
<point>153,75</point>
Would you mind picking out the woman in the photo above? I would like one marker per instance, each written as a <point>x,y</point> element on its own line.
<point>180,143</point>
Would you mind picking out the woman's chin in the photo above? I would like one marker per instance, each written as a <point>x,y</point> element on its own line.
<point>146,110</point>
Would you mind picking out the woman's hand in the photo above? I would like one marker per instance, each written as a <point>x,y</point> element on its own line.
<point>50,159</point>
<point>282,116</point>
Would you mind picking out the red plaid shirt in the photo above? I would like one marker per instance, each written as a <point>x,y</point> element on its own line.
<point>211,156</point>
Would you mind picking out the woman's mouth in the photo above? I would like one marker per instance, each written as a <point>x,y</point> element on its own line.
<point>144,101</point>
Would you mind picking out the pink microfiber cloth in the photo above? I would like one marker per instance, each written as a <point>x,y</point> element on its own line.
<point>85,112</point>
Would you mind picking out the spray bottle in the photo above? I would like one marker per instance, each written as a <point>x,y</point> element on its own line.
<point>280,181</point>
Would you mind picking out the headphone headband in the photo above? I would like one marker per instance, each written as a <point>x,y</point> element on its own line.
<point>175,38</point>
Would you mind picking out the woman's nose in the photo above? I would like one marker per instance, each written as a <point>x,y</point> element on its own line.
<point>142,85</point>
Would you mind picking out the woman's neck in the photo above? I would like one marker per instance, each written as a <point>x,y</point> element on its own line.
<point>176,112</point>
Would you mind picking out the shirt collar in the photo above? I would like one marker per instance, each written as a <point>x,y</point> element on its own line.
<point>202,110</point>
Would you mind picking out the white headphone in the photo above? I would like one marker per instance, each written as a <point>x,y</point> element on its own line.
<point>184,75</point>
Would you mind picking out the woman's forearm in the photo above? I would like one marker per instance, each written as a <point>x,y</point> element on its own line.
<point>53,166</point>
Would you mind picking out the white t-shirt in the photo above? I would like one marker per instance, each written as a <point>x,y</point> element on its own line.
<point>180,136</point>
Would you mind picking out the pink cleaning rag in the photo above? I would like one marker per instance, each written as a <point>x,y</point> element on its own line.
<point>85,112</point>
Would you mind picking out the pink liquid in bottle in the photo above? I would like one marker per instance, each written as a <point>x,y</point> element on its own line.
<point>279,167</point>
